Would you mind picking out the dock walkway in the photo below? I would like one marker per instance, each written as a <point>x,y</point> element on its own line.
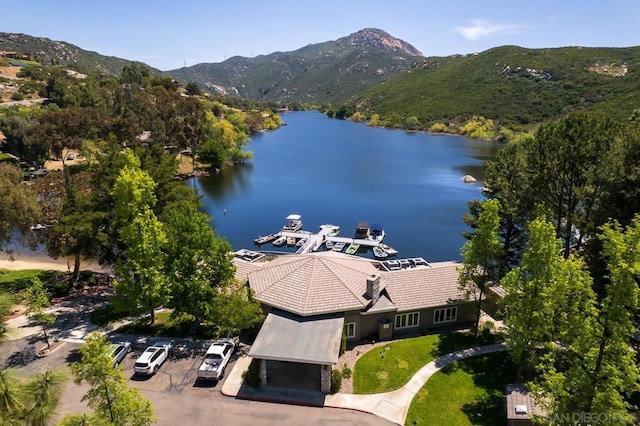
<point>315,241</point>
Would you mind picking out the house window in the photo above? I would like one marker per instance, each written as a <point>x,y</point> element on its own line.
<point>410,319</point>
<point>445,315</point>
<point>350,330</point>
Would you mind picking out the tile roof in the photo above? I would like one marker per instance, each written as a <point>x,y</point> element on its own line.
<point>314,283</point>
<point>419,288</point>
<point>327,282</point>
<point>244,268</point>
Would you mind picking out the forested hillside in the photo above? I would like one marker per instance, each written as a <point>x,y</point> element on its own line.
<point>512,86</point>
<point>120,143</point>
<point>50,52</point>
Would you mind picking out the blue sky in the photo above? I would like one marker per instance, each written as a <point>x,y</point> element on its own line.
<point>168,34</point>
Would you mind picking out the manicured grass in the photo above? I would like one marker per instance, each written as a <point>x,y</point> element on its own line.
<point>467,392</point>
<point>389,367</point>
<point>106,315</point>
<point>19,280</point>
<point>167,327</point>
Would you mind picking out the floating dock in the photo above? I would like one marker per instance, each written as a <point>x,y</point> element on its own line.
<point>315,241</point>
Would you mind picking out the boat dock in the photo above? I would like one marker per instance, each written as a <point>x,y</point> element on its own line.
<point>308,242</point>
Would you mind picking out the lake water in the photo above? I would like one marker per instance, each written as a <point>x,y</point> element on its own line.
<point>339,172</point>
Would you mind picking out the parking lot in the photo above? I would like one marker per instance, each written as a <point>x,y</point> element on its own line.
<point>178,374</point>
<point>176,394</point>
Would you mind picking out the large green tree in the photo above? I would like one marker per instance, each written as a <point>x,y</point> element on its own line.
<point>561,382</point>
<point>615,371</point>
<point>581,168</point>
<point>19,208</point>
<point>481,257</point>
<point>574,161</point>
<point>141,283</point>
<point>236,309</point>
<point>109,394</point>
<point>198,264</point>
<point>76,232</point>
<point>509,183</point>
<point>528,301</point>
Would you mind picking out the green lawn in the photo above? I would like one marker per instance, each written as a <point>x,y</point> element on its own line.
<point>389,367</point>
<point>167,327</point>
<point>467,392</point>
<point>18,280</point>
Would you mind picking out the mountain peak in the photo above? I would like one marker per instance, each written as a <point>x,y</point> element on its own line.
<point>380,39</point>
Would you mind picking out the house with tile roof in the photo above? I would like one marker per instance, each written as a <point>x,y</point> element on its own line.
<point>312,299</point>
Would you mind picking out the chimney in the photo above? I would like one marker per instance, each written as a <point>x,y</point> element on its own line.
<point>373,288</point>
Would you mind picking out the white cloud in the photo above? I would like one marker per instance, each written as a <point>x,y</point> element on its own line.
<point>480,28</point>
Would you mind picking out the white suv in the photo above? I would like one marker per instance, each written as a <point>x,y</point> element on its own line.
<point>150,360</point>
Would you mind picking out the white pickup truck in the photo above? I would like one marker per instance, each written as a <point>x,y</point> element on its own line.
<point>216,359</point>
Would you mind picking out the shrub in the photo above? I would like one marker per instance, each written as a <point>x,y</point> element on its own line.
<point>17,96</point>
<point>252,375</point>
<point>343,344</point>
<point>336,381</point>
<point>486,331</point>
<point>346,371</point>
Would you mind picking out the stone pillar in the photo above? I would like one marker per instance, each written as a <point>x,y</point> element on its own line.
<point>263,372</point>
<point>325,378</point>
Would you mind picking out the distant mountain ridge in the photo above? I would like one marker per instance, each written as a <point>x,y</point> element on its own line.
<point>317,73</point>
<point>51,52</point>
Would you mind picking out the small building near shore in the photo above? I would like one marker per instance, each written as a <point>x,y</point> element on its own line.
<point>520,406</point>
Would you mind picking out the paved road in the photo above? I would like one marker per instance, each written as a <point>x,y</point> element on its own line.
<point>178,397</point>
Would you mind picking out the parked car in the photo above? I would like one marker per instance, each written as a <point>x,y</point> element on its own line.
<point>216,359</point>
<point>152,358</point>
<point>119,350</point>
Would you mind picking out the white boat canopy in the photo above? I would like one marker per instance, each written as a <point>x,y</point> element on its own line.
<point>294,217</point>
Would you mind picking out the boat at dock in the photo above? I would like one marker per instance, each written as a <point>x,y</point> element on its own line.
<point>329,244</point>
<point>362,231</point>
<point>390,250</point>
<point>294,223</point>
<point>379,252</point>
<point>291,241</point>
<point>376,232</point>
<point>352,249</point>
<point>280,241</point>
<point>339,246</point>
<point>263,239</point>
<point>301,242</point>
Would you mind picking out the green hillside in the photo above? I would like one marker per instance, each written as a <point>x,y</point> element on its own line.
<point>511,85</point>
<point>50,52</point>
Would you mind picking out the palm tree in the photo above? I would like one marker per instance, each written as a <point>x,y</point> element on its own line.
<point>44,391</point>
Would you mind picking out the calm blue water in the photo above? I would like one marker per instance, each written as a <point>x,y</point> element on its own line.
<point>340,172</point>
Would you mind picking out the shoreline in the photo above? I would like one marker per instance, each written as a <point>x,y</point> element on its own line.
<point>35,260</point>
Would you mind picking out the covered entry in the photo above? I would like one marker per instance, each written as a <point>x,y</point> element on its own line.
<point>295,351</point>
